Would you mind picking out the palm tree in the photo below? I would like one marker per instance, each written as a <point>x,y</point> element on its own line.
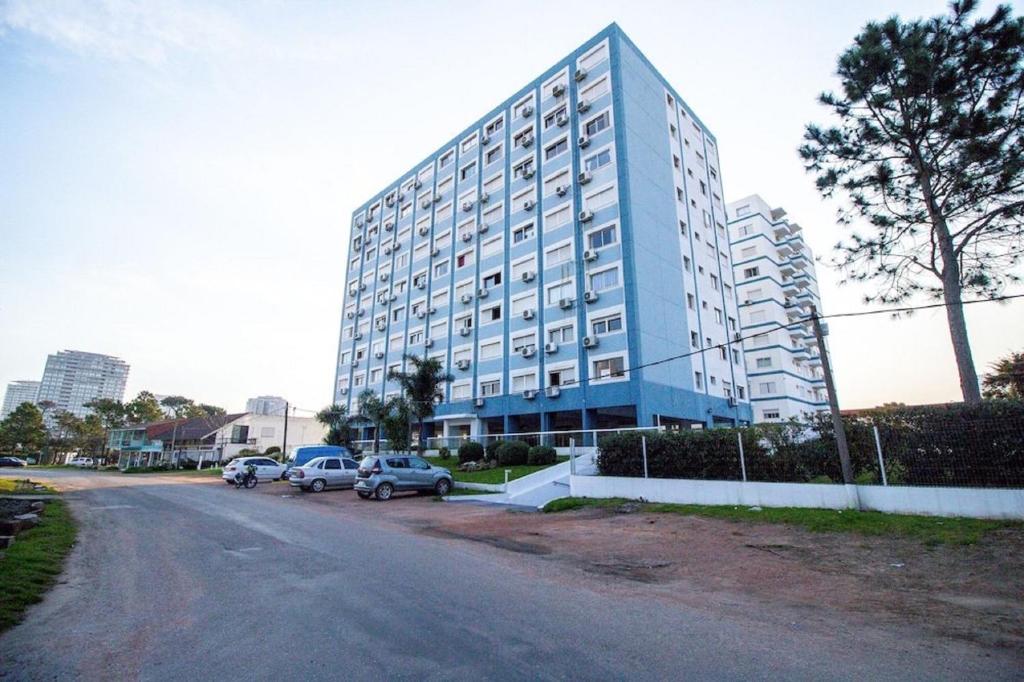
<point>422,386</point>
<point>338,423</point>
<point>375,410</point>
<point>1006,378</point>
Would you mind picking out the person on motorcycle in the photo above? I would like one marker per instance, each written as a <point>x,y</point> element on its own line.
<point>248,479</point>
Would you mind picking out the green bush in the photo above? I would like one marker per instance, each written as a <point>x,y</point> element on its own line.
<point>272,451</point>
<point>492,448</point>
<point>541,454</point>
<point>444,453</point>
<point>470,451</point>
<point>513,453</point>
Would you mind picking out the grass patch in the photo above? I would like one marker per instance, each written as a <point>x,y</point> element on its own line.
<point>33,563</point>
<point>493,476</point>
<point>931,530</point>
<point>465,491</point>
<point>23,486</point>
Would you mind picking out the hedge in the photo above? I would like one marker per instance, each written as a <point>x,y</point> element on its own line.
<point>513,453</point>
<point>470,451</point>
<point>541,454</point>
<point>950,445</point>
<point>492,448</point>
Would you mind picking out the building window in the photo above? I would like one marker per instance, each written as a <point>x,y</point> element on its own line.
<point>521,234</point>
<point>492,280</point>
<point>770,414</point>
<point>561,291</point>
<point>596,125</point>
<point>603,237</point>
<point>751,272</point>
<point>524,382</point>
<point>609,367</point>
<point>598,160</point>
<point>698,380</point>
<point>767,387</point>
<point>607,325</point>
<point>490,388</point>
<point>553,150</point>
<point>604,280</point>
<point>467,170</point>
<point>764,362</point>
<point>446,158</point>
<point>441,269</point>
<point>559,254</point>
<point>564,334</point>
<point>552,117</point>
<point>562,377</point>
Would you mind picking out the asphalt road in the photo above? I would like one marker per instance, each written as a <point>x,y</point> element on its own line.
<point>180,580</point>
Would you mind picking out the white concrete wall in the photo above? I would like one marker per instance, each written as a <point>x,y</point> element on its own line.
<point>996,503</point>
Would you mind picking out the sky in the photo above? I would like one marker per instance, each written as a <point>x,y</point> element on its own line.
<point>176,178</point>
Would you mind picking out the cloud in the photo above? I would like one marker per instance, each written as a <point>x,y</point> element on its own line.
<point>125,30</point>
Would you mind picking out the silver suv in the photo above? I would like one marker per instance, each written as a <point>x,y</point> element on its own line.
<point>384,475</point>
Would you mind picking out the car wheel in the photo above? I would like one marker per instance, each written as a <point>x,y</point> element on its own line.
<point>363,494</point>
<point>384,491</point>
<point>443,487</point>
<point>318,485</point>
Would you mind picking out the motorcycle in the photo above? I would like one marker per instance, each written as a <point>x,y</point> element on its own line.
<point>246,480</point>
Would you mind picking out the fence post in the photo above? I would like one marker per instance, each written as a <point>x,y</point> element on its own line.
<point>643,445</point>
<point>743,464</point>
<point>572,456</point>
<point>878,447</point>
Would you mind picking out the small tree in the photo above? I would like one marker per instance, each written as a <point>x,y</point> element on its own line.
<point>24,429</point>
<point>338,423</point>
<point>111,416</point>
<point>396,426</point>
<point>143,409</point>
<point>375,410</point>
<point>928,149</point>
<point>422,386</point>
<point>1006,380</point>
<point>177,405</point>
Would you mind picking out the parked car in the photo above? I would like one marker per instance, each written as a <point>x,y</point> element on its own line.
<point>324,472</point>
<point>11,462</point>
<point>84,462</point>
<point>304,454</point>
<point>384,475</point>
<point>266,469</point>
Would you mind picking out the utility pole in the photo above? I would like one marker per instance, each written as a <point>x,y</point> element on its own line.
<point>833,400</point>
<point>284,444</point>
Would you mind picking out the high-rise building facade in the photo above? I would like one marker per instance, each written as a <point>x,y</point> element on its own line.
<point>73,378</point>
<point>554,256</point>
<point>19,392</point>
<point>267,405</point>
<point>777,285</point>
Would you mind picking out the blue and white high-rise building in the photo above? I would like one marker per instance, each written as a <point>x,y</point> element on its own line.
<point>777,285</point>
<point>566,257</point>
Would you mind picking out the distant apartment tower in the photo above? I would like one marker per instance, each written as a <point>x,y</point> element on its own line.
<point>267,405</point>
<point>19,392</point>
<point>549,256</point>
<point>777,284</point>
<point>73,378</point>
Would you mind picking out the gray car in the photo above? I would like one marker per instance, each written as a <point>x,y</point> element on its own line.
<point>324,472</point>
<point>384,475</point>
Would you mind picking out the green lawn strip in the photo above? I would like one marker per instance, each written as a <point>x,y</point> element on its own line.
<point>495,475</point>
<point>466,491</point>
<point>21,487</point>
<point>932,530</point>
<point>33,563</point>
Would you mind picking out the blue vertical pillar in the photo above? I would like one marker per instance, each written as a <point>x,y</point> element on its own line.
<point>587,422</point>
<point>506,423</point>
<point>545,425</point>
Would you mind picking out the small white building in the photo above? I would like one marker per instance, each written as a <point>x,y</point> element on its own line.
<point>262,431</point>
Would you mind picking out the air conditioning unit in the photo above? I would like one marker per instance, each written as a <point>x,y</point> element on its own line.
<point>421,284</point>
<point>356,246</point>
<point>359,222</point>
<point>736,336</point>
<point>527,141</point>
<point>350,314</point>
<point>387,250</point>
<point>437,197</point>
<point>384,276</point>
<point>528,173</point>
<point>585,177</point>
<point>590,255</point>
<point>527,111</point>
<point>529,394</point>
<point>479,402</point>
<point>550,348</point>
<point>483,228</point>
<point>529,204</point>
<point>586,215</point>
<point>581,73</point>
<point>590,342</point>
<point>482,292</point>
<point>428,343</point>
<point>733,402</point>
<point>394,297</point>
<point>562,120</point>
<point>417,183</point>
<point>357,336</point>
<point>381,326</point>
<point>529,275</point>
<point>388,227</point>
<point>462,364</point>
<point>355,363</point>
<point>467,205</point>
<point>561,190</point>
<point>431,310</point>
<point>582,106</point>
<point>353,291</point>
<point>421,314</point>
<point>362,286</point>
<point>466,299</point>
<point>528,351</point>
<point>565,303</point>
<point>528,314</point>
<point>584,140</point>
<point>361,312</point>
<point>425,203</point>
<point>484,197</point>
<point>465,331</point>
<point>553,391</point>
<point>424,230</point>
<point>379,354</point>
<point>343,391</point>
<point>401,196</point>
<point>435,252</point>
<point>558,90</point>
<point>485,139</point>
<point>590,296</point>
<point>389,201</point>
<point>467,236</point>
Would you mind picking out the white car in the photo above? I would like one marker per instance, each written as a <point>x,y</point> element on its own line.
<point>266,469</point>
<point>83,462</point>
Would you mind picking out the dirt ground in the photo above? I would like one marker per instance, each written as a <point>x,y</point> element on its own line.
<point>973,592</point>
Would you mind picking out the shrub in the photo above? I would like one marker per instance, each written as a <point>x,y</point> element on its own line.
<point>541,454</point>
<point>444,453</point>
<point>272,451</point>
<point>513,453</point>
<point>470,451</point>
<point>492,449</point>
